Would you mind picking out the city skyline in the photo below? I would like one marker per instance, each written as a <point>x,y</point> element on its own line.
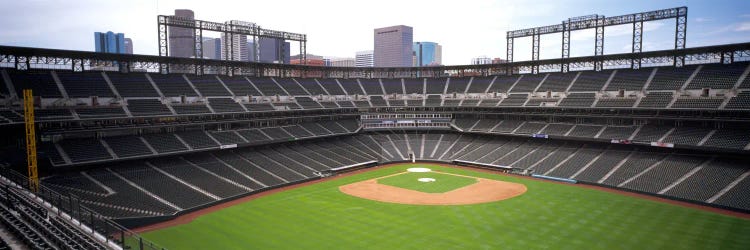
<point>473,28</point>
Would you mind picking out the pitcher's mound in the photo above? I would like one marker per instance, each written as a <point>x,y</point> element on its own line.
<point>485,190</point>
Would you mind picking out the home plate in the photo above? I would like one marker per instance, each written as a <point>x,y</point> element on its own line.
<point>426,179</point>
<point>418,170</point>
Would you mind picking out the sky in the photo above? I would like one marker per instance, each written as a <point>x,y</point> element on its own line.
<point>338,28</point>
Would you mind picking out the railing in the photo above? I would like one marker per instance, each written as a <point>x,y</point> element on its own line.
<point>111,233</point>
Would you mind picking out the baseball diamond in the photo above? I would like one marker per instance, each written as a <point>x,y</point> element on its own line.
<point>443,189</point>
<point>322,215</point>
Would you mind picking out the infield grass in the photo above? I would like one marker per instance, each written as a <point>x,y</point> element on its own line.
<point>548,216</point>
<point>443,182</point>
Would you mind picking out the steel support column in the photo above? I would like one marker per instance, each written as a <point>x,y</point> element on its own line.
<point>535,52</point>
<point>637,43</point>
<point>198,46</point>
<point>256,48</point>
<point>303,52</point>
<point>599,43</point>
<point>565,67</point>
<point>509,55</point>
<point>680,37</point>
<point>163,42</point>
<point>162,34</point>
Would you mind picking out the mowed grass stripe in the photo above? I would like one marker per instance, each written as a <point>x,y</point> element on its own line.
<point>443,182</point>
<point>549,215</point>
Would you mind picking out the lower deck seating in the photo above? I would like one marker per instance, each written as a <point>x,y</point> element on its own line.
<point>200,178</point>
<point>35,228</point>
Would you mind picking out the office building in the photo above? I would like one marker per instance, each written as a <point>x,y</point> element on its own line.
<point>340,62</point>
<point>272,49</point>
<point>393,46</point>
<point>181,43</point>
<point>128,46</point>
<point>364,59</point>
<point>427,54</point>
<point>238,50</point>
<point>109,42</point>
<point>211,48</point>
<point>481,60</point>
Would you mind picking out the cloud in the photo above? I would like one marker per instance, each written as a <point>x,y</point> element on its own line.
<point>702,20</point>
<point>742,26</point>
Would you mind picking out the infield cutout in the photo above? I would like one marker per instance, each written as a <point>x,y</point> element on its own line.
<point>419,170</point>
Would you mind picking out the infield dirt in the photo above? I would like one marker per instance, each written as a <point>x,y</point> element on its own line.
<point>483,191</point>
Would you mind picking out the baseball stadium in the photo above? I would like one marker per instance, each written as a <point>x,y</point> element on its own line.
<point>637,150</point>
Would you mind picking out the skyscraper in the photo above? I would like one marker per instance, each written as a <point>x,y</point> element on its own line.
<point>181,39</point>
<point>128,46</point>
<point>109,42</point>
<point>238,50</point>
<point>211,48</point>
<point>393,46</point>
<point>364,59</point>
<point>237,47</point>
<point>427,54</point>
<point>271,48</point>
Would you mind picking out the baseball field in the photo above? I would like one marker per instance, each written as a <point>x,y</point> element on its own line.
<point>535,215</point>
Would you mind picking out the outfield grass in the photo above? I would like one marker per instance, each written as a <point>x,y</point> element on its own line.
<point>549,215</point>
<point>443,182</point>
